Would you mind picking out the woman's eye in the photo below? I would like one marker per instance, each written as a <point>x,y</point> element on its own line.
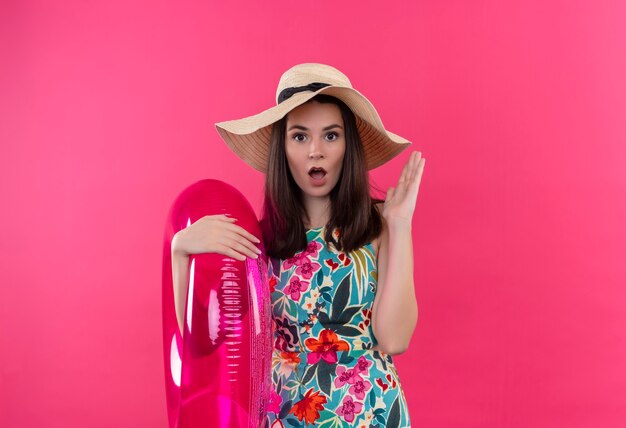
<point>299,137</point>
<point>332,136</point>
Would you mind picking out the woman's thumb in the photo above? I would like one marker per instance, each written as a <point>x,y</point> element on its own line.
<point>390,193</point>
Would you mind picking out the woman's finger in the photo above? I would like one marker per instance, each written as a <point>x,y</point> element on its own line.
<point>420,168</point>
<point>241,249</point>
<point>403,174</point>
<point>417,169</point>
<point>229,252</point>
<point>241,240</point>
<point>414,163</point>
<point>415,182</point>
<point>414,160</point>
<point>390,193</point>
<point>243,232</point>
<point>221,217</point>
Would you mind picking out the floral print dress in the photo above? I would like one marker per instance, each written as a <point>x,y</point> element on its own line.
<point>325,371</point>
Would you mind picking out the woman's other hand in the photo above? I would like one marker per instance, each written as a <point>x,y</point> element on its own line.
<point>216,234</point>
<point>400,201</point>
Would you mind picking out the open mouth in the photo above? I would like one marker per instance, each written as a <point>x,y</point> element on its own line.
<point>317,173</point>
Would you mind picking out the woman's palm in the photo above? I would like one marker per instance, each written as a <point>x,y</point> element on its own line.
<point>400,201</point>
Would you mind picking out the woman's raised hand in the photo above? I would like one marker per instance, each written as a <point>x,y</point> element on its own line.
<point>400,201</point>
<point>216,234</point>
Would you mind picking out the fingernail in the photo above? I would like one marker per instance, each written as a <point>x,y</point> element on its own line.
<point>257,250</point>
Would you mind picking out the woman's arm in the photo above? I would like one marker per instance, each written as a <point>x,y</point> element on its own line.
<point>180,269</point>
<point>394,312</point>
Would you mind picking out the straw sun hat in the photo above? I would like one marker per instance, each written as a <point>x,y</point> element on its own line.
<point>249,137</point>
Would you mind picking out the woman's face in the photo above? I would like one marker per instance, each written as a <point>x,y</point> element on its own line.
<point>315,145</point>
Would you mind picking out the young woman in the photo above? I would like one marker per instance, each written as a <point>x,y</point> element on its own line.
<point>341,271</point>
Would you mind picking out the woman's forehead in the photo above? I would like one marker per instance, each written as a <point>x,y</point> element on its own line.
<point>315,115</point>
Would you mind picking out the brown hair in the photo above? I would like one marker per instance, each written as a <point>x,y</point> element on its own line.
<point>352,208</point>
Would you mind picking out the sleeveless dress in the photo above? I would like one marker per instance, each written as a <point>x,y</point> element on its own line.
<point>325,371</point>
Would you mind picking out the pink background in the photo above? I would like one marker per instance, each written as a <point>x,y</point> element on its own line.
<point>107,112</point>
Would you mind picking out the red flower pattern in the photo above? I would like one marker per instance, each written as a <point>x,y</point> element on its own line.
<point>344,259</point>
<point>272,283</point>
<point>325,348</point>
<point>330,263</point>
<point>308,408</point>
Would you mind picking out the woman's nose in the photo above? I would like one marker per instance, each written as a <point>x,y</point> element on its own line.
<point>315,149</point>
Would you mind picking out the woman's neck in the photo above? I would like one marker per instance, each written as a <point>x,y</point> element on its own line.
<point>318,212</point>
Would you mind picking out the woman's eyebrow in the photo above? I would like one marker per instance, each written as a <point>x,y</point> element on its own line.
<point>304,128</point>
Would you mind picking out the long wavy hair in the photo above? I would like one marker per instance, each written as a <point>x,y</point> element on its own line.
<point>353,210</point>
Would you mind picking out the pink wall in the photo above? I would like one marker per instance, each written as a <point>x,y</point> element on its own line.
<point>107,112</point>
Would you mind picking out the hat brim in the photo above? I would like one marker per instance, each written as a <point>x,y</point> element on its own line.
<point>249,138</point>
